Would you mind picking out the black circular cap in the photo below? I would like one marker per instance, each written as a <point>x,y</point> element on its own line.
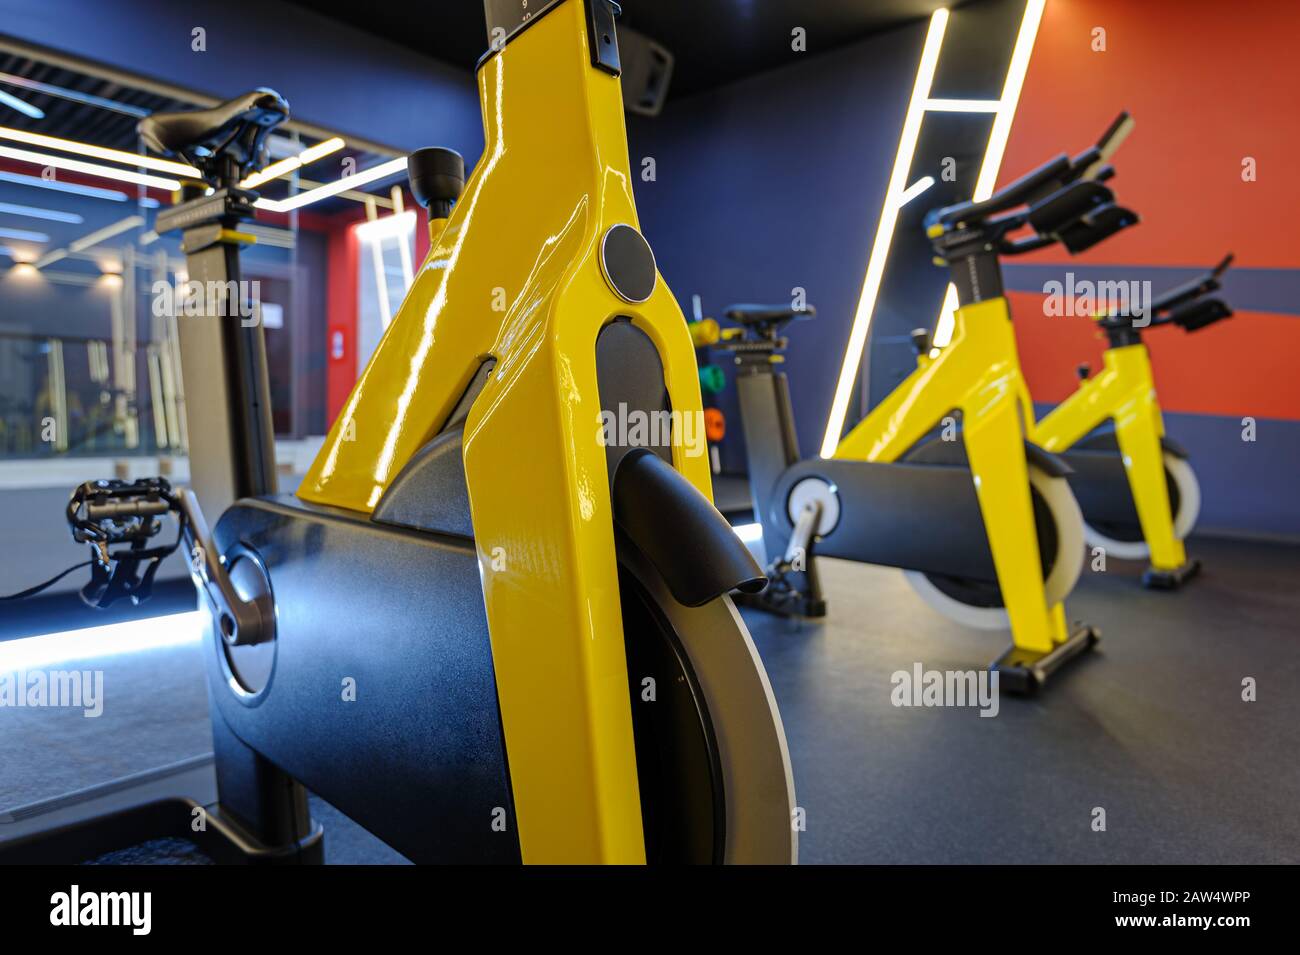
<point>628,263</point>
<point>436,175</point>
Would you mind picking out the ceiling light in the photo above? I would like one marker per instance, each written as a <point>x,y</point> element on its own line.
<point>32,212</point>
<point>286,166</point>
<point>76,96</point>
<point>90,169</point>
<point>373,174</point>
<point>98,152</point>
<point>73,188</point>
<point>90,239</point>
<point>24,235</point>
<point>27,109</point>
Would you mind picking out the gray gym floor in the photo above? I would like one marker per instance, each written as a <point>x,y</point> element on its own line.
<point>1151,727</point>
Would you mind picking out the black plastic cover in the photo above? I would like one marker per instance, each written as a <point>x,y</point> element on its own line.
<point>680,532</point>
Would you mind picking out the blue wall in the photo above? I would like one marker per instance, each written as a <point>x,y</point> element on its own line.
<point>774,182</point>
<point>332,75</point>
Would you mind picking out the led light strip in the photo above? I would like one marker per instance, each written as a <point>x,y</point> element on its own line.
<point>35,212</point>
<point>72,188</point>
<point>27,109</point>
<point>997,146</point>
<point>95,643</point>
<point>90,239</point>
<point>98,152</point>
<point>885,230</point>
<point>24,235</point>
<point>896,195</point>
<point>345,184</point>
<point>286,166</point>
<point>89,168</point>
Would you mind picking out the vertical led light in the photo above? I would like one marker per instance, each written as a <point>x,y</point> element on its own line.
<point>1003,110</point>
<point>998,137</point>
<point>885,230</point>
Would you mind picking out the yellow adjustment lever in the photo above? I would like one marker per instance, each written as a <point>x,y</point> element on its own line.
<point>235,237</point>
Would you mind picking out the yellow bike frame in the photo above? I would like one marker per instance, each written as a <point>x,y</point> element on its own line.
<point>978,373</point>
<point>1125,392</point>
<point>527,289</point>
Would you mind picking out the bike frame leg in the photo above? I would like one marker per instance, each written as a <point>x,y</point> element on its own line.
<point>264,799</point>
<point>996,449</point>
<point>1138,431</point>
<point>232,455</point>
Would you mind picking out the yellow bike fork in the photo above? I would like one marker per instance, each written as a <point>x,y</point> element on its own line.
<point>1125,392</point>
<point>515,275</point>
<point>978,373</point>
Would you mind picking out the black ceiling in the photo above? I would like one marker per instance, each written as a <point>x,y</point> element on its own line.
<point>74,120</point>
<point>714,41</point>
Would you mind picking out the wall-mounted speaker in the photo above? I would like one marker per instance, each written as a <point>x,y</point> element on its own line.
<point>647,68</point>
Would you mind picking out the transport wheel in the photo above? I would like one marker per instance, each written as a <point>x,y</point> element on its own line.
<point>978,603</point>
<point>1126,542</point>
<point>712,763</point>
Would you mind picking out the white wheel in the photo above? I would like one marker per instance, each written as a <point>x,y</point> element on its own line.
<point>1189,509</point>
<point>1066,566</point>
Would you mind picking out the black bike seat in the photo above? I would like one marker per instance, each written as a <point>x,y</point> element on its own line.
<point>766,314</point>
<point>238,127</point>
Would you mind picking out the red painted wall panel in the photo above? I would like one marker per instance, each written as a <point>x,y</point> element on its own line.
<point>1209,84</point>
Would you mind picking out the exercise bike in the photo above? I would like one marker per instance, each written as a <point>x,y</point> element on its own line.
<point>481,629</point>
<point>1136,487</point>
<point>985,526</point>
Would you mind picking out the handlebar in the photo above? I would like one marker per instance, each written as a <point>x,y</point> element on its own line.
<point>1038,184</point>
<point>1059,193</point>
<point>1201,285</point>
<point>1187,306</point>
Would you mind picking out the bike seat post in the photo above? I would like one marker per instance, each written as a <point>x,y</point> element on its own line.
<point>223,352</point>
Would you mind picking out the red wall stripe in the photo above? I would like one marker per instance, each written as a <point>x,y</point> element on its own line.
<point>1209,84</point>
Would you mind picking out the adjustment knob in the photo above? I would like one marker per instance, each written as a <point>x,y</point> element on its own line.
<point>437,176</point>
<point>920,341</point>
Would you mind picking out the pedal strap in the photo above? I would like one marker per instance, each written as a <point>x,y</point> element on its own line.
<point>106,588</point>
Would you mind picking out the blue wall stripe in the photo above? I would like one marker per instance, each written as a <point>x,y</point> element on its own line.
<point>1246,290</point>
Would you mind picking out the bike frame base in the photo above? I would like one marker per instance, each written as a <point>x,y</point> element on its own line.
<point>1157,578</point>
<point>156,804</point>
<point>1024,673</point>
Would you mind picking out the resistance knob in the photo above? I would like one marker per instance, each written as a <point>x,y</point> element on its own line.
<point>437,176</point>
